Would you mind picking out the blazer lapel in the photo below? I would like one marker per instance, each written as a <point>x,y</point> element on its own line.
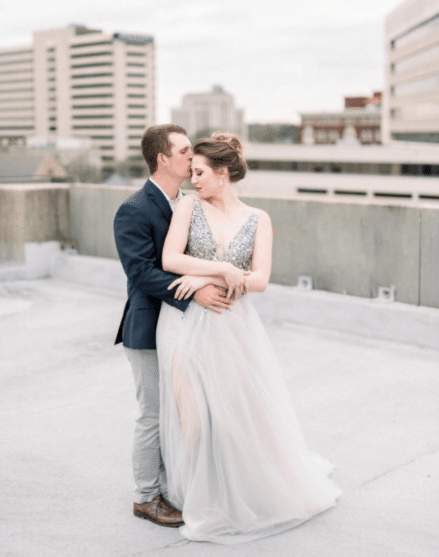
<point>157,197</point>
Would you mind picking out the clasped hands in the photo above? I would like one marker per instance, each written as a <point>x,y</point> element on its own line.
<point>212,292</point>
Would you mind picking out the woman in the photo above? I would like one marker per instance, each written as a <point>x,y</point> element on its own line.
<point>236,460</point>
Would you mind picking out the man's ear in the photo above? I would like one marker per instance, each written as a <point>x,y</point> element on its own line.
<point>162,159</point>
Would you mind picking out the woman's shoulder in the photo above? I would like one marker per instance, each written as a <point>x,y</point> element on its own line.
<point>187,201</point>
<point>260,213</point>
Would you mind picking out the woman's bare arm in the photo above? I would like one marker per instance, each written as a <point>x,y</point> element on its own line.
<point>259,276</point>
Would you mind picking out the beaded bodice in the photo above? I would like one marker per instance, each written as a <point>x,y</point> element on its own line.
<point>202,244</point>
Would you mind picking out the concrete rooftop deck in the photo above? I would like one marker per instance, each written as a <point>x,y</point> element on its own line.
<point>68,408</point>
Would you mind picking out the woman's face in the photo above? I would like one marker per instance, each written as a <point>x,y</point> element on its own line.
<point>204,179</point>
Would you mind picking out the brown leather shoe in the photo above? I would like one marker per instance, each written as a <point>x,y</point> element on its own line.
<point>159,511</point>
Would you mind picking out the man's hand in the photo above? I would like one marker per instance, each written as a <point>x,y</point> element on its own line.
<point>213,298</point>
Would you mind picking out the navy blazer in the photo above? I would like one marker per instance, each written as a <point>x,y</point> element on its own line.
<point>140,227</point>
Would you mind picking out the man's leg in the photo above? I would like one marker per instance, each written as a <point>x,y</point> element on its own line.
<point>147,461</point>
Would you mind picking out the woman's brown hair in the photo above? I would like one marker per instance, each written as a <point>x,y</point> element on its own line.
<point>223,149</point>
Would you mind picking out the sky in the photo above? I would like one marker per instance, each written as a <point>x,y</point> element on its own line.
<point>277,57</point>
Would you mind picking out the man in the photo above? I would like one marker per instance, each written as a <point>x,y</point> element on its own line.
<point>140,228</point>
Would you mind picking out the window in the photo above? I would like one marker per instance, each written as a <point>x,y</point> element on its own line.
<point>26,61</point>
<point>422,58</point>
<point>93,106</point>
<point>416,33</point>
<point>92,127</point>
<point>6,81</point>
<point>87,76</point>
<point>17,128</point>
<point>417,86</point>
<point>88,54</point>
<point>91,96</point>
<point>12,72</point>
<point>82,45</point>
<point>92,85</point>
<point>16,53</point>
<point>91,116</point>
<point>95,65</point>
<point>366,136</point>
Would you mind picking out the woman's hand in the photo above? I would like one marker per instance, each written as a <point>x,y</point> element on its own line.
<point>235,280</point>
<point>187,285</point>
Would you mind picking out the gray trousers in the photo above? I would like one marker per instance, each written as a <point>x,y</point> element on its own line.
<point>148,467</point>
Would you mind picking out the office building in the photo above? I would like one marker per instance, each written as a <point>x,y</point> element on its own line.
<point>80,82</point>
<point>201,114</point>
<point>411,107</point>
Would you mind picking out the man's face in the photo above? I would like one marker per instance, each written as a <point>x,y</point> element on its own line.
<point>180,160</point>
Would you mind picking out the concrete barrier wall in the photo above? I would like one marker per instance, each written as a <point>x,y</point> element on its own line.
<point>354,249</point>
<point>346,248</point>
<point>92,211</point>
<point>350,248</point>
<point>32,213</point>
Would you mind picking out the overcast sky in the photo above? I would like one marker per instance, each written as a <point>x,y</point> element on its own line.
<point>277,57</point>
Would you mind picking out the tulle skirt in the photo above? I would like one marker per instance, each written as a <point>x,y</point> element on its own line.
<point>237,463</point>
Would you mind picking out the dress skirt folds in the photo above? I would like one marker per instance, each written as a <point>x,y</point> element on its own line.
<point>237,463</point>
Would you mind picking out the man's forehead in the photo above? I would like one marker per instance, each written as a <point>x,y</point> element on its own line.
<point>179,140</point>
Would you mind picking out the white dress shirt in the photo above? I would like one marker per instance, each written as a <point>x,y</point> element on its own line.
<point>172,202</point>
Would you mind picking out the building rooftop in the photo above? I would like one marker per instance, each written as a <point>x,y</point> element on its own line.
<point>33,167</point>
<point>68,409</point>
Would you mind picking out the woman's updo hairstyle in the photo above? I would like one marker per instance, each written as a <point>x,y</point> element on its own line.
<point>223,149</point>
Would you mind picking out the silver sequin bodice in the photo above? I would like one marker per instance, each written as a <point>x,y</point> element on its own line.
<point>202,244</point>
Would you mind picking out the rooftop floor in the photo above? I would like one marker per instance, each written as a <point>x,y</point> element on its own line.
<point>67,411</point>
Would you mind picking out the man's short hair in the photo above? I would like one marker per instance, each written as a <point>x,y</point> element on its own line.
<point>155,140</point>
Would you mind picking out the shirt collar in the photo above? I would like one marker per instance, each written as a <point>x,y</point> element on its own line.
<point>172,202</point>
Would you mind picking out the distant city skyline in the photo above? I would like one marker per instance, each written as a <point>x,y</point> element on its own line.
<point>277,59</point>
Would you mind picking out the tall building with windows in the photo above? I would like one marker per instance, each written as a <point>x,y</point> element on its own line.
<point>411,99</point>
<point>201,114</point>
<point>80,82</point>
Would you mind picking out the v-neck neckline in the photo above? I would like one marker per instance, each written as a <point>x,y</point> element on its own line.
<point>223,250</point>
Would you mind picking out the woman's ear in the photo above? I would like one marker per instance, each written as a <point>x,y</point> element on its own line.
<point>222,172</point>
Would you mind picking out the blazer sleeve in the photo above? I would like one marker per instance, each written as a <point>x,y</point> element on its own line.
<point>137,250</point>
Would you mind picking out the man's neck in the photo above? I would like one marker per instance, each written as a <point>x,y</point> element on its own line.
<point>168,183</point>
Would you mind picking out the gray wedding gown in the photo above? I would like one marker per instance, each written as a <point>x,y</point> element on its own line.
<point>237,463</point>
